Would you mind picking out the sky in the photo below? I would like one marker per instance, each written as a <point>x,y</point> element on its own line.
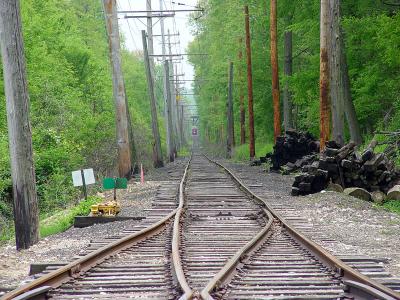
<point>132,27</point>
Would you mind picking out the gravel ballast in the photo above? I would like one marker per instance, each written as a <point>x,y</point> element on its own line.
<point>135,201</point>
<point>349,226</point>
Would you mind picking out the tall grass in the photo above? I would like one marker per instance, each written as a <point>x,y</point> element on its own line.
<point>242,152</point>
<point>57,222</point>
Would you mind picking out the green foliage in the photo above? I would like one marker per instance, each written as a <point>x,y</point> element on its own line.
<point>371,33</point>
<point>71,100</point>
<point>393,206</point>
<point>63,220</point>
<point>242,152</point>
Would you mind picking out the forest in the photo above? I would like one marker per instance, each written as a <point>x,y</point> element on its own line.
<point>72,113</point>
<point>71,102</point>
<point>371,36</point>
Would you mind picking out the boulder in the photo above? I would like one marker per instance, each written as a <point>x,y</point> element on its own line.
<point>358,193</point>
<point>394,193</point>
<point>378,197</point>
<point>333,187</point>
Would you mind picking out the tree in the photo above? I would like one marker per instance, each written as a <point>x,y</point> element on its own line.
<point>274,69</point>
<point>336,73</point>
<point>324,74</point>
<point>26,217</point>
<point>288,71</point>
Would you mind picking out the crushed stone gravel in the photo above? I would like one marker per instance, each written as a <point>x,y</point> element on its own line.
<point>350,226</point>
<point>61,247</point>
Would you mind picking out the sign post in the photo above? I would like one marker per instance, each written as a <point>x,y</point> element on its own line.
<point>82,178</point>
<point>115,183</point>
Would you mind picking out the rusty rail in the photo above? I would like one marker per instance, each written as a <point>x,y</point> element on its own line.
<point>78,267</point>
<point>176,241</point>
<point>223,275</point>
<point>348,273</point>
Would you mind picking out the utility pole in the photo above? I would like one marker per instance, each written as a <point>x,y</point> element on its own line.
<point>123,143</point>
<point>230,128</point>
<point>150,37</point>
<point>157,155</point>
<point>26,215</point>
<point>168,123</point>
<point>177,99</point>
<point>275,70</point>
<point>324,75</point>
<point>171,154</point>
<point>241,96</point>
<point>250,84</point>
<point>183,140</point>
<point>173,98</point>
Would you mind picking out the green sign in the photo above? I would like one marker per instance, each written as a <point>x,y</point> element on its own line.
<point>115,183</point>
<point>121,183</point>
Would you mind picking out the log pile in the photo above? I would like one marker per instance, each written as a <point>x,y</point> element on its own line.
<point>348,168</point>
<point>290,148</point>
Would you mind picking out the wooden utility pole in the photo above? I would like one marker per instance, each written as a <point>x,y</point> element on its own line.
<point>171,153</point>
<point>123,143</point>
<point>26,215</point>
<point>158,161</point>
<point>150,47</point>
<point>324,75</point>
<point>173,98</point>
<point>230,125</point>
<point>335,68</point>
<point>275,70</point>
<point>250,84</point>
<point>288,71</point>
<point>241,96</point>
<point>167,112</point>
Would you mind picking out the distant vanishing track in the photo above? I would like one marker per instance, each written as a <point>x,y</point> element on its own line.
<point>220,241</point>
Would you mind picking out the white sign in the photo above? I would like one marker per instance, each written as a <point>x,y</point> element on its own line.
<point>87,173</point>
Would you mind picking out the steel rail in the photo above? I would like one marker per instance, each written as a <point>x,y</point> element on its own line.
<point>176,241</point>
<point>225,273</point>
<point>347,272</point>
<point>78,267</point>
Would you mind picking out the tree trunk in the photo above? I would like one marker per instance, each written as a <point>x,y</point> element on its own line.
<point>250,84</point>
<point>288,70</point>
<point>335,68</point>
<point>275,70</point>
<point>158,161</point>
<point>124,154</point>
<point>324,74</point>
<point>241,97</point>
<point>230,128</point>
<point>26,216</point>
<point>350,111</point>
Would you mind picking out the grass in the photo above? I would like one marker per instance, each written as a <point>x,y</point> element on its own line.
<point>56,222</point>
<point>242,152</point>
<point>184,152</point>
<point>392,206</point>
<point>63,220</point>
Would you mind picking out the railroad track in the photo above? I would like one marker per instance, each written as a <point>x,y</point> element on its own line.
<point>138,263</point>
<point>220,242</point>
